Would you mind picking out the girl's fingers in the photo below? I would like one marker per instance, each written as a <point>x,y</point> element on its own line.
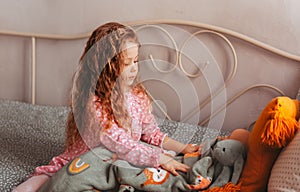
<point>200,148</point>
<point>196,148</point>
<point>174,172</point>
<point>173,166</point>
<point>185,166</point>
<point>182,167</point>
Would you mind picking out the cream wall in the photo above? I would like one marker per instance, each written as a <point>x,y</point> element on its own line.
<point>273,22</point>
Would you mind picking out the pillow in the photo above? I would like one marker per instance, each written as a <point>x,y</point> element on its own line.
<point>273,130</point>
<point>285,174</point>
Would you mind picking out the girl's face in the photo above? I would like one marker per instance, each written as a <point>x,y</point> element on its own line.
<point>130,70</point>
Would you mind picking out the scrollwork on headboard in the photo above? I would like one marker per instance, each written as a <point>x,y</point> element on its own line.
<point>220,33</point>
<point>177,57</point>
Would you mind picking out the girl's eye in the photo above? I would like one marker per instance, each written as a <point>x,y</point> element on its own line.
<point>127,63</point>
<point>130,62</point>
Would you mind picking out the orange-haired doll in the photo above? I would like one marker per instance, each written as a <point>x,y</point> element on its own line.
<point>109,107</point>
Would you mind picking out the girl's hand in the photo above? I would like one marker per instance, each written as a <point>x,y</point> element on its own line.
<point>172,165</point>
<point>191,148</point>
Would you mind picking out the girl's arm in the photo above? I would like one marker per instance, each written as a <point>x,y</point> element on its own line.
<point>151,132</point>
<point>116,140</point>
<point>153,135</point>
<point>120,142</point>
<point>178,147</point>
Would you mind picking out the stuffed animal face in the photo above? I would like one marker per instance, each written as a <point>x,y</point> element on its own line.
<point>228,151</point>
<point>155,176</point>
<point>224,163</point>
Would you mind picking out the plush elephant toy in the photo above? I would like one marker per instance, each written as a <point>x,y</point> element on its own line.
<point>222,164</point>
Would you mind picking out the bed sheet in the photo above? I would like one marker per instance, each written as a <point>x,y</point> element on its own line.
<point>30,135</point>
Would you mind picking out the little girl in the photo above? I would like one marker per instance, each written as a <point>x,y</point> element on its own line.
<point>109,107</point>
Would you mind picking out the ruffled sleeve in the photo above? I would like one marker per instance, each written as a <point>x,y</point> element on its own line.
<point>120,142</point>
<point>150,131</point>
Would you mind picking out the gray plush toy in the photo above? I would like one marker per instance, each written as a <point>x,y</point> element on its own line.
<point>223,163</point>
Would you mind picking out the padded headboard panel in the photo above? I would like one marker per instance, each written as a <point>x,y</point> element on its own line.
<point>195,72</point>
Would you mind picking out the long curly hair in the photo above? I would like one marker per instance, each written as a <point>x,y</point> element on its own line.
<point>97,75</point>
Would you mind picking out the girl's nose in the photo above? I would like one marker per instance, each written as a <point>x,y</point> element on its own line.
<point>134,67</point>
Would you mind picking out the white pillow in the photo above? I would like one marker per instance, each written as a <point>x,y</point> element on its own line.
<point>285,174</point>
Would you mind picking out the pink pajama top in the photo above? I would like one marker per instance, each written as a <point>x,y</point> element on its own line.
<point>124,143</point>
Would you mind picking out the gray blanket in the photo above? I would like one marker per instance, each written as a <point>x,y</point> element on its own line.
<point>100,170</point>
<point>30,135</point>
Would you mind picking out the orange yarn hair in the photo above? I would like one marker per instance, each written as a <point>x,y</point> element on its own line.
<point>282,125</point>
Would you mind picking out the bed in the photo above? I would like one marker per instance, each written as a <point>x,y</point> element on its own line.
<point>204,81</point>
